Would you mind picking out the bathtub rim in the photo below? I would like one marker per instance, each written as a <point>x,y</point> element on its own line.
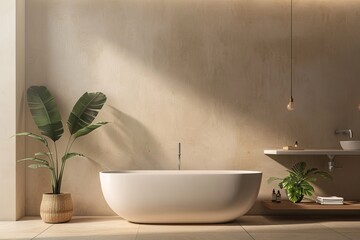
<point>182,172</point>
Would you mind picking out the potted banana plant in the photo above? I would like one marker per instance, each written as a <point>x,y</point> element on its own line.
<point>57,207</point>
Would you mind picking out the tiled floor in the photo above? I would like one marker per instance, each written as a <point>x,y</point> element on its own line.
<point>246,228</point>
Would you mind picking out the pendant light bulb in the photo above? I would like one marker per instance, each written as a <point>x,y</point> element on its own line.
<point>291,104</point>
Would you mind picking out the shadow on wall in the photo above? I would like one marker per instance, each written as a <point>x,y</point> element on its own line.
<point>224,53</point>
<point>135,146</point>
<point>224,59</point>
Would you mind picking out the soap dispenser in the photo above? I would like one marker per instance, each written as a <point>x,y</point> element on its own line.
<point>273,196</point>
<point>278,196</point>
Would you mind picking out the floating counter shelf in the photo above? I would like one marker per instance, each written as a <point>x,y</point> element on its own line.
<point>330,153</point>
<point>287,205</point>
<point>324,152</point>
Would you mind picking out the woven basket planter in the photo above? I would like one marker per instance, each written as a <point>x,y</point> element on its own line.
<point>56,208</point>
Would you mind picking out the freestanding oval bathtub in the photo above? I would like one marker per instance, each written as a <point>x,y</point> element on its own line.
<point>188,196</point>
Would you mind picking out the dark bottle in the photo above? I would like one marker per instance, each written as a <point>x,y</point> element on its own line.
<point>273,196</point>
<point>278,196</point>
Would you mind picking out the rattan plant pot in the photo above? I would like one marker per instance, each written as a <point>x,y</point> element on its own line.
<point>56,208</point>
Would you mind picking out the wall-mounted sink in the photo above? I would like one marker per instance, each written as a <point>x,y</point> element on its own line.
<point>352,145</point>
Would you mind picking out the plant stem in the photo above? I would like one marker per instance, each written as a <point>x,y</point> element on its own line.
<point>63,161</point>
<point>52,164</point>
<point>61,174</point>
<point>53,180</point>
<point>50,156</point>
<point>56,161</point>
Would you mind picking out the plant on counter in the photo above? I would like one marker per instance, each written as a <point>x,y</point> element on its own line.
<point>46,116</point>
<point>298,183</point>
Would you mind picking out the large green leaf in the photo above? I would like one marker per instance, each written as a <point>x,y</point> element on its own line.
<point>47,154</point>
<point>85,110</point>
<point>307,189</point>
<point>44,112</point>
<point>37,137</point>
<point>88,129</point>
<point>71,155</point>
<point>39,160</point>
<point>40,166</point>
<point>299,168</point>
<point>310,171</point>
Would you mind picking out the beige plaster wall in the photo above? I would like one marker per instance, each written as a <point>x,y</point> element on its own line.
<point>214,75</point>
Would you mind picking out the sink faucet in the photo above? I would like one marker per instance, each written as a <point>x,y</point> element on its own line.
<point>338,131</point>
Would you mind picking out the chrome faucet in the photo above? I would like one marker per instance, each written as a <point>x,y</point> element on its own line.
<point>179,164</point>
<point>338,131</point>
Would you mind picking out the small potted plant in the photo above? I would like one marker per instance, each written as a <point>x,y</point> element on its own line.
<point>57,207</point>
<point>298,183</point>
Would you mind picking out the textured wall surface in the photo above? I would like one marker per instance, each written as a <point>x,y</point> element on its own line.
<point>214,75</point>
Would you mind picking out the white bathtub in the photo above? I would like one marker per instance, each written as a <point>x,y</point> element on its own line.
<point>180,196</point>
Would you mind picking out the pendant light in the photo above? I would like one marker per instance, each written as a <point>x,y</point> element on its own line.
<point>291,104</point>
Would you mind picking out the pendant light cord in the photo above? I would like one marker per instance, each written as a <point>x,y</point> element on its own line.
<point>290,105</point>
<point>291,47</point>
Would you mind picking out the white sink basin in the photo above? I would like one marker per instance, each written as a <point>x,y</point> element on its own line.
<point>350,145</point>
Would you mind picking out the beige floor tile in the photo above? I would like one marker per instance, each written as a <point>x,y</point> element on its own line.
<point>194,236</point>
<point>230,231</point>
<point>298,236</point>
<point>282,225</point>
<point>260,228</point>
<point>343,226</point>
<point>26,228</point>
<point>352,235</point>
<point>92,228</point>
<point>294,228</point>
<point>253,220</point>
<point>176,228</point>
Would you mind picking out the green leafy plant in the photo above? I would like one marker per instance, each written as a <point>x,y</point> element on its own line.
<point>46,116</point>
<point>298,183</point>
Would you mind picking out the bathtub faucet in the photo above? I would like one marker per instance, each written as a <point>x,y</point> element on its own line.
<point>179,164</point>
<point>338,131</point>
